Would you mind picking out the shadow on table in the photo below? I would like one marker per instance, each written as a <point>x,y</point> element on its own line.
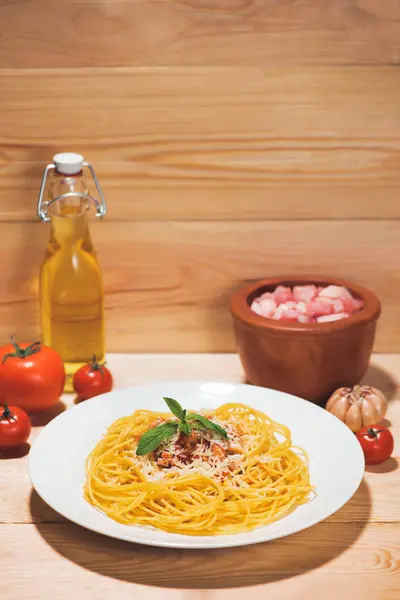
<point>208,569</point>
<point>43,418</point>
<point>377,377</point>
<point>381,379</point>
<point>18,452</point>
<point>391,464</point>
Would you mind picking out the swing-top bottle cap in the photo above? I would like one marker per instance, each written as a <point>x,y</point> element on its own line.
<point>68,163</point>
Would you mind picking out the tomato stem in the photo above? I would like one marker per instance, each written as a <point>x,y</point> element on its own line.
<point>96,366</point>
<point>33,348</point>
<point>371,432</point>
<point>7,414</point>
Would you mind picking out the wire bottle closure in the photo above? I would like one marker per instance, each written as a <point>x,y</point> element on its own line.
<point>43,206</point>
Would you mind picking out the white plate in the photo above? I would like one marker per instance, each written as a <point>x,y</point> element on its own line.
<point>57,458</point>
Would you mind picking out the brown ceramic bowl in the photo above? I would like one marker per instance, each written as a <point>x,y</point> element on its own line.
<point>309,360</point>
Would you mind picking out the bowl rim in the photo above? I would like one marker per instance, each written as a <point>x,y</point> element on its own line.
<point>240,307</point>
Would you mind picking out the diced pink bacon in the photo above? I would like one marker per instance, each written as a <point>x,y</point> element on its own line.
<point>341,295</point>
<point>301,308</point>
<point>357,304</point>
<point>304,319</point>
<point>304,293</point>
<point>338,306</point>
<point>256,307</point>
<point>307,304</point>
<point>282,294</point>
<point>318,308</point>
<point>335,291</point>
<point>290,314</point>
<point>330,318</point>
<point>279,312</point>
<point>290,304</point>
<point>268,306</point>
<point>285,313</point>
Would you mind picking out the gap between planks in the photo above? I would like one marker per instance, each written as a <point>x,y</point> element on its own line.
<point>222,220</point>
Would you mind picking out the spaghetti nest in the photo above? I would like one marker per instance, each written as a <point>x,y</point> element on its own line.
<point>203,485</point>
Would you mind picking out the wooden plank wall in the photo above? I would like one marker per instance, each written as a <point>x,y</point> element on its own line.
<point>233,138</point>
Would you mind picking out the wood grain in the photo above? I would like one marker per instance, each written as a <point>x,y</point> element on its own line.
<point>168,284</point>
<point>94,33</point>
<point>189,144</point>
<point>129,197</point>
<point>363,560</point>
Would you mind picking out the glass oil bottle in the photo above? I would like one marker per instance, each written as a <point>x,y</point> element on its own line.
<point>71,285</point>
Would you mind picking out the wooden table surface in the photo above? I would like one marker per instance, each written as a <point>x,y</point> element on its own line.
<point>353,554</point>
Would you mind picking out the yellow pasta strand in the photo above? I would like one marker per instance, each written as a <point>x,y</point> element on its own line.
<point>271,479</point>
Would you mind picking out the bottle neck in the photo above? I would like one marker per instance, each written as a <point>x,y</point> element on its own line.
<point>60,185</point>
<point>69,216</point>
<point>69,229</point>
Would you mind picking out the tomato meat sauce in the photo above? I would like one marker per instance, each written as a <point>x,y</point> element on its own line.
<point>198,446</point>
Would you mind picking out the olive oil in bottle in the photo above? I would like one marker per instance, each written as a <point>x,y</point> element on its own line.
<point>71,286</point>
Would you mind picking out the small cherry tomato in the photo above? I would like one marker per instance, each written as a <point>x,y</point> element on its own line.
<point>92,380</point>
<point>15,427</point>
<point>377,443</point>
<point>31,375</point>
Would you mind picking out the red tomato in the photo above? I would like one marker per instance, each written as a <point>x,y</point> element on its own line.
<point>32,376</point>
<point>92,380</point>
<point>15,427</point>
<point>377,443</point>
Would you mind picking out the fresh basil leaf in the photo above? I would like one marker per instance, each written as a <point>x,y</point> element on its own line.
<point>153,437</point>
<point>185,427</point>
<point>208,424</point>
<point>198,426</point>
<point>175,407</point>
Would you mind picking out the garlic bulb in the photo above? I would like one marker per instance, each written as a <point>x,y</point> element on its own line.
<point>358,407</point>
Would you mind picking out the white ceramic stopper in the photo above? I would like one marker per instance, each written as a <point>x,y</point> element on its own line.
<point>68,163</point>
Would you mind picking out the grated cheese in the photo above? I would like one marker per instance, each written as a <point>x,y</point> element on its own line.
<point>205,463</point>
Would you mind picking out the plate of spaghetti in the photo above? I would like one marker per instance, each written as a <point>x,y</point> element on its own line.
<point>196,464</point>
